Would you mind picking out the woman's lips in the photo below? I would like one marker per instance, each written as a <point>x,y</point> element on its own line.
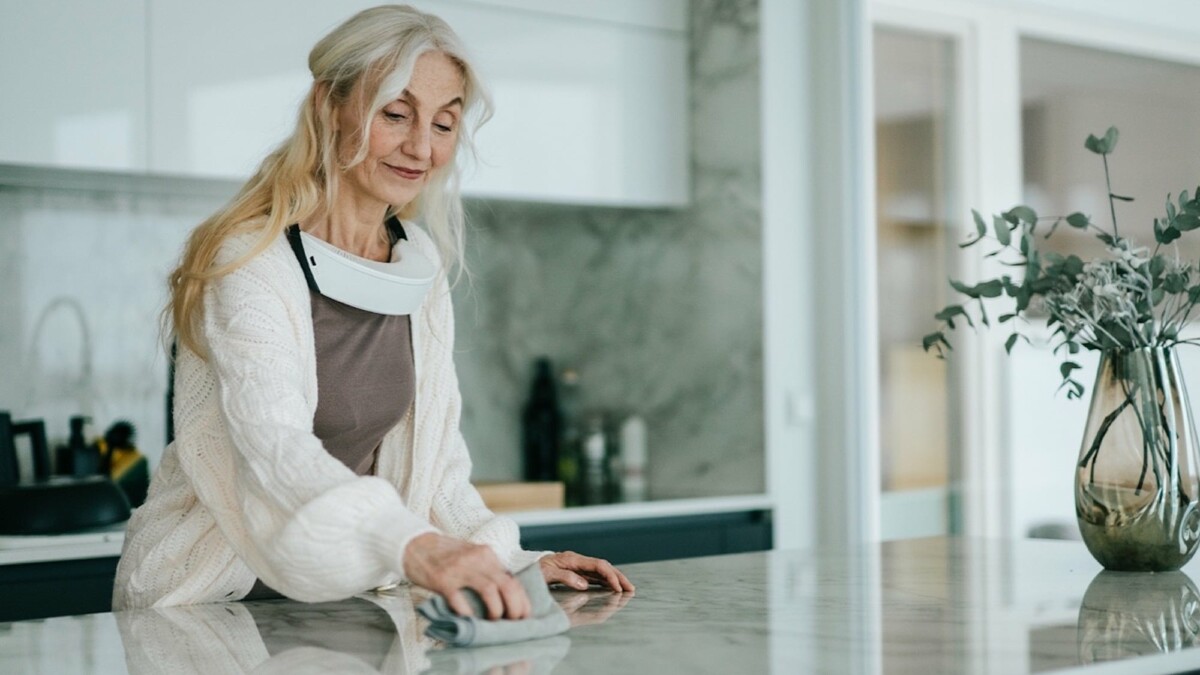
<point>410,174</point>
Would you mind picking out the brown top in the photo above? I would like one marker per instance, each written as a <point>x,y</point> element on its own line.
<point>366,382</point>
<point>365,379</point>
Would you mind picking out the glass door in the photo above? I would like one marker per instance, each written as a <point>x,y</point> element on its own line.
<point>917,198</point>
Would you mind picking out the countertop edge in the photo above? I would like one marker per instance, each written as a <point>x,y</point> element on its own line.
<point>639,510</point>
<point>105,544</point>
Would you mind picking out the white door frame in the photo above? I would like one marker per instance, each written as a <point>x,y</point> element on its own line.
<point>988,35</point>
<point>818,305</point>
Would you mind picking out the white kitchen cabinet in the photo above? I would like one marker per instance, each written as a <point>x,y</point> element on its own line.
<point>72,74</point>
<point>226,78</point>
<point>590,108</point>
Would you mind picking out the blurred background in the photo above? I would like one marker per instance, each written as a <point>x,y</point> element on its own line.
<point>730,221</point>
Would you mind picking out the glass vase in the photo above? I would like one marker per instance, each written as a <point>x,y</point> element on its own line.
<point>1135,481</point>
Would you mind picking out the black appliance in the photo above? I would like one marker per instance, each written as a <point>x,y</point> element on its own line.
<point>50,504</point>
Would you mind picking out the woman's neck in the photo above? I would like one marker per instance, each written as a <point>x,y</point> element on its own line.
<point>355,228</point>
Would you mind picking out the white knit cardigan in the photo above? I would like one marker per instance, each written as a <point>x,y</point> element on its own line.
<point>246,490</point>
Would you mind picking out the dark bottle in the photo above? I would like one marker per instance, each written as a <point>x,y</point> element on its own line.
<point>77,457</point>
<point>541,425</point>
<point>569,461</point>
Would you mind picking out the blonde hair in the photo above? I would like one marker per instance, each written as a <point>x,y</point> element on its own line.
<point>367,59</point>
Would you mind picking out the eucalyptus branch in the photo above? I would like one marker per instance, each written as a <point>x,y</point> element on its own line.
<point>1131,298</point>
<point>1111,204</point>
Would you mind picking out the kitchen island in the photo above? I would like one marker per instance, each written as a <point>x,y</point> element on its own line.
<point>66,574</point>
<point>916,606</point>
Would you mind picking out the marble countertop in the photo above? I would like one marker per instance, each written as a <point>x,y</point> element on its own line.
<point>106,541</point>
<point>917,606</point>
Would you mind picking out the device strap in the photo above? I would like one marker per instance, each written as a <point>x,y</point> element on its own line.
<point>293,235</point>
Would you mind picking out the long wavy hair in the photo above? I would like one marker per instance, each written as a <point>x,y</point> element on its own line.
<point>365,62</point>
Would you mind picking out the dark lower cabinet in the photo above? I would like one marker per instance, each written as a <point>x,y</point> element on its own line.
<point>58,588</point>
<point>647,539</point>
<point>65,587</point>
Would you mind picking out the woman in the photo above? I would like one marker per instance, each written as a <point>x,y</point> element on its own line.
<point>270,487</point>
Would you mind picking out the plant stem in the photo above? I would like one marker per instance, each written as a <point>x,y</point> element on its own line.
<point>1149,444</point>
<point>1111,205</point>
<point>1103,431</point>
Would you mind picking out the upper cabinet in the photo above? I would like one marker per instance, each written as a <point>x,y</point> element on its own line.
<point>591,99</point>
<point>227,77</point>
<point>74,81</point>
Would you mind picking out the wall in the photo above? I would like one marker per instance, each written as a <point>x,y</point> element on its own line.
<point>659,310</point>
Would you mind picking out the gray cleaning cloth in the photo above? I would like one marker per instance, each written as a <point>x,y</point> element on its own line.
<point>545,618</point>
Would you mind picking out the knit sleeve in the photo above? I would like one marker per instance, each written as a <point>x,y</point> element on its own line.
<point>301,520</point>
<point>457,507</point>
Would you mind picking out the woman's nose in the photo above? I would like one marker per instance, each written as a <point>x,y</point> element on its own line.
<point>416,143</point>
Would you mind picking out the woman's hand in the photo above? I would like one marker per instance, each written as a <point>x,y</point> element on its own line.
<point>446,565</point>
<point>576,571</point>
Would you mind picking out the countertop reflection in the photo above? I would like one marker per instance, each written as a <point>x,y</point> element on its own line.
<point>372,633</point>
<point>919,606</point>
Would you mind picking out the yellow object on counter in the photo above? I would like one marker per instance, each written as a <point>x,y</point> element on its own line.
<point>522,496</point>
<point>123,460</point>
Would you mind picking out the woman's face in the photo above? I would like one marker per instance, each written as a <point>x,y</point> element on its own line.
<point>409,137</point>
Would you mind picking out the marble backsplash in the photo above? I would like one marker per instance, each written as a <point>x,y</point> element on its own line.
<point>659,310</point>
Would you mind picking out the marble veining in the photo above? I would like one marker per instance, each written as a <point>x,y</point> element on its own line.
<point>659,311</point>
<point>918,606</point>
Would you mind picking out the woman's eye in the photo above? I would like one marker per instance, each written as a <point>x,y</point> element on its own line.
<point>444,128</point>
<point>394,115</point>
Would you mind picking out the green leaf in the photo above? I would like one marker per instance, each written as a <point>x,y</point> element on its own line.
<point>1171,208</point>
<point>1183,197</point>
<point>983,315</point>
<point>1053,227</point>
<point>980,226</point>
<point>1004,318</point>
<point>933,339</point>
<point>1010,342</point>
<point>1156,296</point>
<point>952,311</point>
<point>1110,138</point>
<point>1121,197</point>
<point>1165,235</point>
<point>1024,247</point>
<point>1106,238</point>
<point>970,242</point>
<point>1102,146</point>
<point>1078,220</point>
<point>1194,294</point>
<point>1157,265</point>
<point>990,289</point>
<point>1033,269</point>
<point>1002,231</point>
<point>1067,367</point>
<point>1024,295</point>
<point>1185,221</point>
<point>1022,214</point>
<point>1073,266</point>
<point>965,289</point>
<point>1174,283</point>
